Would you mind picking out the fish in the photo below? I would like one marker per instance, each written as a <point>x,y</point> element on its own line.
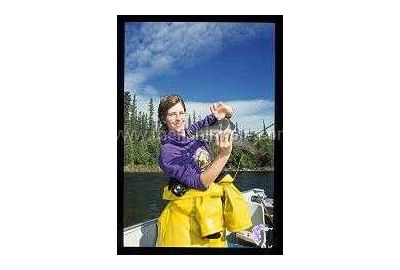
<point>208,134</point>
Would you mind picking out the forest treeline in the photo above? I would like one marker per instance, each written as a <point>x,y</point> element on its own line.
<point>141,137</point>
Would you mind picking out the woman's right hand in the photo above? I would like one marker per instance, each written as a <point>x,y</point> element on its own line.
<point>224,141</point>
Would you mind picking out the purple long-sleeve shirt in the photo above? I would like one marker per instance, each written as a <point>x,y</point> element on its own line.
<point>185,158</point>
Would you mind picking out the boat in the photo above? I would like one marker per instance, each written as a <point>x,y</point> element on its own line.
<point>258,235</point>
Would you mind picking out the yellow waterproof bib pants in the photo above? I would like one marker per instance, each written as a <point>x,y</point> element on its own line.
<point>187,220</point>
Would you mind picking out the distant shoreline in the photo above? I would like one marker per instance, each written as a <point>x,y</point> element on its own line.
<point>155,168</point>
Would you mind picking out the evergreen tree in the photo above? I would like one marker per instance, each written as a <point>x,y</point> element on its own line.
<point>264,130</point>
<point>189,121</point>
<point>127,106</point>
<point>194,117</point>
<point>134,108</point>
<point>139,124</point>
<point>127,142</point>
<point>237,129</point>
<point>145,125</point>
<point>151,117</point>
<point>158,128</point>
<point>134,117</point>
<point>127,150</point>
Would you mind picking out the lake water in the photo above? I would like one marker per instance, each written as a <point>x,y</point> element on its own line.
<point>142,192</point>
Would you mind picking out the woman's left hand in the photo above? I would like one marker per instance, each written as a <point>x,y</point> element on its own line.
<point>221,110</point>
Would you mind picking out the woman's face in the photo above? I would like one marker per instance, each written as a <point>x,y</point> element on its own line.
<point>176,119</point>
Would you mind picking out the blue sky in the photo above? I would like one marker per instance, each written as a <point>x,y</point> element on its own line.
<point>204,63</point>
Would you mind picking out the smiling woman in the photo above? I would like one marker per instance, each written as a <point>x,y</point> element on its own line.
<point>197,187</point>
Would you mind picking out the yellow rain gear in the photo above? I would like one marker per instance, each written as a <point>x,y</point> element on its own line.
<point>187,220</point>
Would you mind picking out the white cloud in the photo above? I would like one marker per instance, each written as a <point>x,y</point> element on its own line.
<point>134,80</point>
<point>161,63</point>
<point>157,48</point>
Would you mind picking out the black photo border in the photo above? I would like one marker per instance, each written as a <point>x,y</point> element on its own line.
<point>278,178</point>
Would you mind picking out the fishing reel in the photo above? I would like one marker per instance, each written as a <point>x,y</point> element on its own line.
<point>178,189</point>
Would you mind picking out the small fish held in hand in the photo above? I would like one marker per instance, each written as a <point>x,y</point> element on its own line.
<point>222,125</point>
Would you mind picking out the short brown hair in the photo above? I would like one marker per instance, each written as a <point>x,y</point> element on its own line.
<point>165,104</point>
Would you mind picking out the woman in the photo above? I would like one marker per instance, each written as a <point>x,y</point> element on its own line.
<point>198,211</point>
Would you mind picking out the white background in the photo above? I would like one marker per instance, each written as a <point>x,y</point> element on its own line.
<point>58,147</point>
